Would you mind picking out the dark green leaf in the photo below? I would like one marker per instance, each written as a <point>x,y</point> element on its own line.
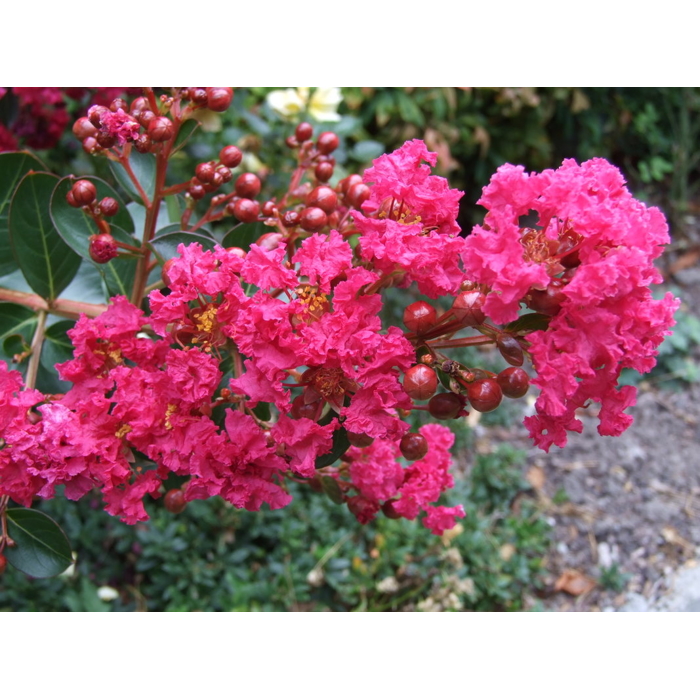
<point>17,326</point>
<point>528,323</point>
<point>166,246</point>
<point>331,489</point>
<point>47,262</point>
<point>74,225</point>
<point>244,234</point>
<point>13,167</point>
<point>183,136</point>
<point>262,411</point>
<point>42,549</point>
<point>341,445</point>
<point>143,166</point>
<point>57,348</point>
<point>120,272</point>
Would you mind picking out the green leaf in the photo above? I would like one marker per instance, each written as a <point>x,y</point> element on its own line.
<point>143,166</point>
<point>13,167</point>
<point>528,323</point>
<point>243,235</point>
<point>183,136</point>
<point>57,348</point>
<point>41,548</point>
<point>341,445</point>
<point>17,326</point>
<point>74,225</point>
<point>119,273</point>
<point>262,411</point>
<point>331,489</point>
<point>166,246</point>
<point>47,262</point>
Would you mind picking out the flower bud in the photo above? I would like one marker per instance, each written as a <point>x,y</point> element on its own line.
<point>510,349</point>
<point>389,509</point>
<point>514,382</point>
<point>219,98</point>
<point>304,132</point>
<point>246,210</point>
<point>175,501</point>
<point>413,446</point>
<point>313,219</point>
<point>327,142</point>
<point>248,185</point>
<point>84,193</point>
<point>94,114</point>
<point>109,206</point>
<point>83,128</point>
<point>205,171</point>
<point>445,406</point>
<point>358,194</point>
<point>160,129</point>
<point>419,317</point>
<point>420,382</point>
<point>230,156</point>
<point>485,395</point>
<point>359,439</point>
<point>467,307</point>
<point>103,248</point>
<point>291,218</point>
<point>323,171</point>
<point>323,197</point>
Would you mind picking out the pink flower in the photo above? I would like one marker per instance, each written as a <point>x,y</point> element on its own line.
<point>120,125</point>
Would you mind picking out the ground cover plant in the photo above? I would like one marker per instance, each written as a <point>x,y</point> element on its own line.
<point>239,351</point>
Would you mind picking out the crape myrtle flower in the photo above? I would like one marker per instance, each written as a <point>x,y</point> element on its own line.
<point>588,265</point>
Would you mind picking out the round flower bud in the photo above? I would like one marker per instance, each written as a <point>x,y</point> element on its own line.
<point>389,509</point>
<point>84,192</point>
<point>160,129</point>
<point>445,406</point>
<point>143,143</point>
<point>90,145</point>
<point>323,197</point>
<point>103,248</point>
<point>216,180</point>
<point>359,439</point>
<point>205,171</point>
<point>198,96</point>
<point>420,382</point>
<point>175,501</point>
<point>3,563</point>
<point>109,206</point>
<point>248,185</point>
<point>484,394</point>
<point>269,208</point>
<point>547,301</point>
<point>196,191</point>
<point>71,199</point>
<point>419,317</point>
<point>146,116</point>
<point>105,139</point>
<point>313,219</point>
<point>467,307</point>
<point>291,142</point>
<point>139,104</point>
<point>219,98</point>
<point>327,142</point>
<point>514,382</point>
<point>230,156</point>
<point>117,104</point>
<point>94,114</point>
<point>226,174</point>
<point>413,446</point>
<point>510,349</point>
<point>323,171</point>
<point>304,410</point>
<point>347,182</point>
<point>357,194</point>
<point>291,218</point>
<point>165,272</point>
<point>304,132</point>
<point>83,128</point>
<point>246,210</point>
<point>270,241</point>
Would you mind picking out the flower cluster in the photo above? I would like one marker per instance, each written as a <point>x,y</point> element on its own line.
<point>253,367</point>
<point>587,265</point>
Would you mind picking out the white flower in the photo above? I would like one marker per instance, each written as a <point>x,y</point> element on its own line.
<point>322,105</point>
<point>107,593</point>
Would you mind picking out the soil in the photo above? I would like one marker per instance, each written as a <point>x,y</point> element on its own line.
<point>625,511</point>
